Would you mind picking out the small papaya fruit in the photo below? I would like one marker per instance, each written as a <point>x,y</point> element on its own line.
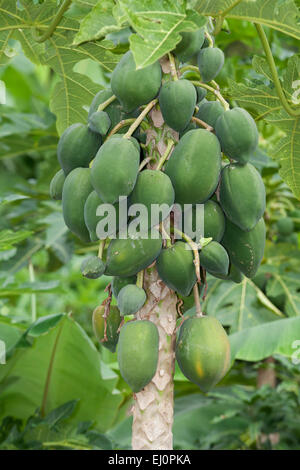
<point>209,111</point>
<point>234,275</point>
<point>118,283</point>
<point>210,63</point>
<point>112,326</point>
<point>138,353</point>
<point>214,258</point>
<point>114,109</point>
<point>100,122</point>
<point>115,169</point>
<point>92,219</point>
<point>153,187</point>
<point>212,226</point>
<point>77,146</point>
<point>285,226</point>
<point>194,167</point>
<point>191,126</point>
<point>175,266</point>
<point>201,94</point>
<point>126,257</point>
<point>237,133</point>
<point>135,87</point>
<point>242,195</point>
<point>245,249</point>
<point>296,215</point>
<point>131,298</point>
<point>92,267</point>
<point>76,189</point>
<point>203,351</point>
<point>190,44</point>
<point>56,185</point>
<point>177,100</point>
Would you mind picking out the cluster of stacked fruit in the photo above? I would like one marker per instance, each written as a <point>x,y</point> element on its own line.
<point>103,160</point>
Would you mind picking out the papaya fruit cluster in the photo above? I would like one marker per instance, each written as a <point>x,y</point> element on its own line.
<point>104,160</point>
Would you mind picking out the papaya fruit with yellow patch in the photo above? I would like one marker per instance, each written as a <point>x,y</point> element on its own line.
<point>112,326</point>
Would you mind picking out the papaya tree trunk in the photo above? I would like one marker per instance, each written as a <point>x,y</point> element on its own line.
<point>153,407</point>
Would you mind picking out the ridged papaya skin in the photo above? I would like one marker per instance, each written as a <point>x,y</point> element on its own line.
<point>77,146</point>
<point>118,283</point>
<point>194,167</point>
<point>242,195</point>
<point>214,221</point>
<point>92,267</point>
<point>210,63</point>
<point>135,87</point>
<point>189,45</point>
<point>76,190</point>
<point>131,298</point>
<point>112,325</point>
<point>175,266</point>
<point>92,219</point>
<point>285,226</point>
<point>203,351</point>
<point>138,353</point>
<point>153,187</point>
<point>245,249</point>
<point>115,169</point>
<point>214,258</point>
<point>56,185</point>
<point>126,257</point>
<point>210,111</point>
<point>177,100</point>
<point>237,133</point>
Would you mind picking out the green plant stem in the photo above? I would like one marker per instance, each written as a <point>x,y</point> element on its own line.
<point>165,235</point>
<point>188,68</point>
<point>33,296</point>
<point>173,66</point>
<point>104,105</point>
<point>220,19</point>
<point>101,248</point>
<point>217,93</point>
<point>120,125</point>
<point>140,279</point>
<point>210,39</point>
<point>194,247</point>
<point>139,119</point>
<point>197,301</point>
<point>48,33</point>
<point>270,59</point>
<point>202,123</point>
<point>165,155</point>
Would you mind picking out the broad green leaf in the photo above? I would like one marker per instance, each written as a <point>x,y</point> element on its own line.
<point>44,324</point>
<point>30,288</point>
<point>277,14</point>
<point>288,285</point>
<point>8,238</point>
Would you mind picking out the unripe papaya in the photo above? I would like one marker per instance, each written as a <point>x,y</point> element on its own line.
<point>92,267</point>
<point>203,351</point>
<point>214,258</point>
<point>233,275</point>
<point>210,111</point>
<point>131,298</point>
<point>194,167</point>
<point>56,185</point>
<point>114,109</point>
<point>210,63</point>
<point>115,169</point>
<point>242,195</point>
<point>237,133</point>
<point>135,87</point>
<point>112,325</point>
<point>245,249</point>
<point>190,127</point>
<point>118,283</point>
<point>76,189</point>
<point>92,219</point>
<point>214,221</point>
<point>138,353</point>
<point>189,45</point>
<point>100,122</point>
<point>126,257</point>
<point>153,187</point>
<point>175,266</point>
<point>77,146</point>
<point>201,94</point>
<point>177,100</point>
<point>285,226</point>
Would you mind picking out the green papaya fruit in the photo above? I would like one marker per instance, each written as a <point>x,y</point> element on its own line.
<point>92,219</point>
<point>177,100</point>
<point>214,221</point>
<point>189,45</point>
<point>201,94</point>
<point>175,266</point>
<point>153,187</point>
<point>214,258</point>
<point>210,63</point>
<point>242,195</point>
<point>126,257</point>
<point>285,226</point>
<point>191,126</point>
<point>118,283</point>
<point>210,111</point>
<point>138,353</point>
<point>115,169</point>
<point>233,275</point>
<point>203,351</point>
<point>237,133</point>
<point>92,267</point>
<point>245,249</point>
<point>100,122</point>
<point>112,326</point>
<point>56,185</point>
<point>76,190</point>
<point>131,299</point>
<point>135,87</point>
<point>194,167</point>
<point>77,146</point>
<point>296,215</point>
<point>114,109</point>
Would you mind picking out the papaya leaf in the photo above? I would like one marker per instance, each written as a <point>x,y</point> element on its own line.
<point>288,285</point>
<point>30,288</point>
<point>277,14</point>
<point>8,238</point>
